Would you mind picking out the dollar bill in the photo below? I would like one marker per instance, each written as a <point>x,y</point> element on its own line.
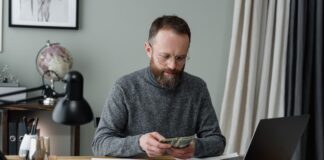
<point>178,142</point>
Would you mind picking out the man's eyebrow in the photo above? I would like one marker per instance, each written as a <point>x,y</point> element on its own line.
<point>169,54</point>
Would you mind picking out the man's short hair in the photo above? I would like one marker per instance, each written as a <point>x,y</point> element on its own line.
<point>175,23</point>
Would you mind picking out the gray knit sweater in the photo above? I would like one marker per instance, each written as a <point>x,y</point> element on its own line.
<point>138,105</point>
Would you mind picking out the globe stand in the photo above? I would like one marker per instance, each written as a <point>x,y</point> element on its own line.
<point>50,96</point>
<point>49,99</point>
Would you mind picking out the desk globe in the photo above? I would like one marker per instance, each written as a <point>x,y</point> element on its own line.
<point>53,61</point>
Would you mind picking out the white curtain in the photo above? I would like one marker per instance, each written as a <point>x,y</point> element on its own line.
<point>256,69</point>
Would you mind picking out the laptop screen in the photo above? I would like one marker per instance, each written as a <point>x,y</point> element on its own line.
<point>276,138</point>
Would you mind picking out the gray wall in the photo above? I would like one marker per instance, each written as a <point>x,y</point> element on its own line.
<point>110,44</point>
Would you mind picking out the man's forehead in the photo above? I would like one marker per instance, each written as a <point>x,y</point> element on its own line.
<point>169,33</point>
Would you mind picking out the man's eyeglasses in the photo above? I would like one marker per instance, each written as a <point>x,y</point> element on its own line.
<point>166,58</point>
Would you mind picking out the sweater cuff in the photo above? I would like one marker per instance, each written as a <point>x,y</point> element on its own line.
<point>138,147</point>
<point>197,147</point>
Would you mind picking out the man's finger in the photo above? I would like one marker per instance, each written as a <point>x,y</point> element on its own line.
<point>154,142</point>
<point>157,136</point>
<point>154,151</point>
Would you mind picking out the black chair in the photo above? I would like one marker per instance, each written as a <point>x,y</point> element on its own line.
<point>2,157</point>
<point>96,121</point>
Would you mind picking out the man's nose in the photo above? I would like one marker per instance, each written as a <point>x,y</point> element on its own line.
<point>172,63</point>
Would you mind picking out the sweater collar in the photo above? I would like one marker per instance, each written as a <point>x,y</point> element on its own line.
<point>153,81</point>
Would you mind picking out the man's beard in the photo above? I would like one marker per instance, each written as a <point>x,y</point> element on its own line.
<point>166,81</point>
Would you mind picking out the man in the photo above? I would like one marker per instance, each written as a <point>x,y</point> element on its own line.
<point>158,102</point>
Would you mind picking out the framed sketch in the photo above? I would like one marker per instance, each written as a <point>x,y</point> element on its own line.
<point>44,13</point>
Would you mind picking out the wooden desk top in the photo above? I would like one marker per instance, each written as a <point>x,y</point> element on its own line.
<point>56,157</point>
<point>11,157</point>
<point>27,106</point>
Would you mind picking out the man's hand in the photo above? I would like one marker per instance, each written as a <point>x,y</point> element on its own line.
<point>149,142</point>
<point>183,153</point>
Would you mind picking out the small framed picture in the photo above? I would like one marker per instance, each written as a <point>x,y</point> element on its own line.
<point>62,14</point>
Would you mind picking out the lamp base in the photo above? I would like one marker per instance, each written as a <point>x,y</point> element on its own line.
<point>49,101</point>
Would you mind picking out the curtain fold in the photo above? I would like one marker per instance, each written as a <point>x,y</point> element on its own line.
<point>255,79</point>
<point>304,79</point>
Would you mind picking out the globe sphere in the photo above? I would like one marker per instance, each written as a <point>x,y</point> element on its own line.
<point>53,61</point>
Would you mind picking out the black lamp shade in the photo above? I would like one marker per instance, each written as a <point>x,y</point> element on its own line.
<point>73,109</point>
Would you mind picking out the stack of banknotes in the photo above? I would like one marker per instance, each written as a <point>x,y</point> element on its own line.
<point>178,142</point>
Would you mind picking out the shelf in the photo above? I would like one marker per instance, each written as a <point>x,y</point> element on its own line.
<point>29,106</point>
<point>14,112</point>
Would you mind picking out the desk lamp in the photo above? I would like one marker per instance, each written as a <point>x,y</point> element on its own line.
<point>73,109</point>
<point>54,62</point>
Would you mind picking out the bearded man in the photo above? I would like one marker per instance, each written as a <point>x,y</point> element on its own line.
<point>158,102</point>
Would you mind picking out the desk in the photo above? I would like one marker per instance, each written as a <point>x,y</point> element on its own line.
<point>11,157</point>
<point>69,158</point>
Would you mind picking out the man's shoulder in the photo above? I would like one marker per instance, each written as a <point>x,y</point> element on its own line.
<point>193,80</point>
<point>132,77</point>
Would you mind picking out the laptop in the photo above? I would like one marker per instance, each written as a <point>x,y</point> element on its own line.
<point>276,138</point>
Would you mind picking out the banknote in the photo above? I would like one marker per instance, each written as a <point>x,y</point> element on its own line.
<point>178,142</point>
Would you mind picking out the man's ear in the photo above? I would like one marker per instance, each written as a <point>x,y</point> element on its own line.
<point>148,49</point>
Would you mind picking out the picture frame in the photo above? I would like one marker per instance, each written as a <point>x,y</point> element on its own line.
<point>44,14</point>
<point>1,10</point>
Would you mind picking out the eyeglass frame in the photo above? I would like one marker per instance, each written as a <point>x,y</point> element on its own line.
<point>163,59</point>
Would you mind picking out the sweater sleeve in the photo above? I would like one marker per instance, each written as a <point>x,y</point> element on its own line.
<point>109,138</point>
<point>210,141</point>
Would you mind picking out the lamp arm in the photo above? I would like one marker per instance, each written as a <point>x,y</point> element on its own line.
<point>23,91</point>
<point>47,92</point>
<point>5,102</point>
